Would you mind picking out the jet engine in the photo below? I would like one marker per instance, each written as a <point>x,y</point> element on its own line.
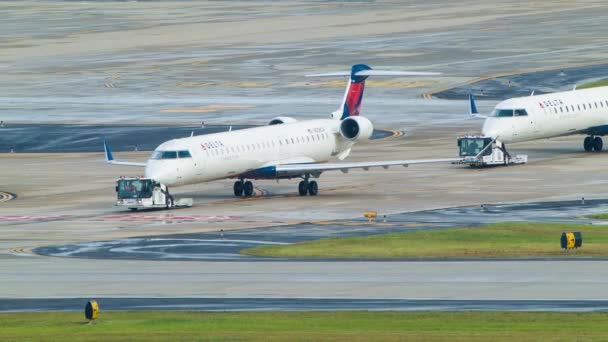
<point>356,128</point>
<point>281,120</point>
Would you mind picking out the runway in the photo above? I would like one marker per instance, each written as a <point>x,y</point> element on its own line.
<point>299,304</point>
<point>42,277</point>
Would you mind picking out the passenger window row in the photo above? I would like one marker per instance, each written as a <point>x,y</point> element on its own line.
<point>580,107</point>
<point>268,144</point>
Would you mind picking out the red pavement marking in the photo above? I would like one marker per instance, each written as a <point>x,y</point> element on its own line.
<point>29,217</point>
<point>144,217</point>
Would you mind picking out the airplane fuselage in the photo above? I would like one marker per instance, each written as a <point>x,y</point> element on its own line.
<point>235,153</point>
<point>549,115</point>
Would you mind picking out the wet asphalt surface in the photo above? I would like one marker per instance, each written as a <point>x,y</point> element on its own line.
<point>89,138</point>
<point>505,87</point>
<point>297,304</point>
<point>226,246</point>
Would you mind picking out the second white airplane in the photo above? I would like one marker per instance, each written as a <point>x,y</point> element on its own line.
<point>549,115</point>
<point>284,149</point>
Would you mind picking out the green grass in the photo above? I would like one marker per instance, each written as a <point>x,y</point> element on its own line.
<point>602,216</point>
<point>519,239</point>
<point>306,326</point>
<point>595,84</point>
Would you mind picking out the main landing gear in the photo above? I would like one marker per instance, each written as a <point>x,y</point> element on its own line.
<point>308,187</point>
<point>592,143</point>
<point>242,188</point>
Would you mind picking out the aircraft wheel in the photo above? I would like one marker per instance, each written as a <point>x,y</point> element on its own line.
<point>588,144</point>
<point>303,188</point>
<point>313,188</point>
<point>238,188</point>
<point>248,189</point>
<point>598,144</point>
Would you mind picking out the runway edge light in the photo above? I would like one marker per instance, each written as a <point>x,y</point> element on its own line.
<point>91,310</point>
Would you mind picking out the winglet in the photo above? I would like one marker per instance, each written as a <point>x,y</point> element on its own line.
<point>106,147</point>
<point>473,110</point>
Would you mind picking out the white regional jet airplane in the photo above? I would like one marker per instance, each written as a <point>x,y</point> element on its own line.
<point>549,115</point>
<point>284,149</point>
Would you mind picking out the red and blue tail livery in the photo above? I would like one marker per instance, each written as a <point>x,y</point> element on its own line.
<point>354,93</point>
<point>351,102</point>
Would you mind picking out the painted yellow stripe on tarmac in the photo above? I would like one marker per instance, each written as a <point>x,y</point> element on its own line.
<point>21,251</point>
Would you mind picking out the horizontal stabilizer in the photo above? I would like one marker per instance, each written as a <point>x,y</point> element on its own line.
<point>376,73</point>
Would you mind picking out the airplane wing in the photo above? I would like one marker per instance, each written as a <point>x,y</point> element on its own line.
<point>110,158</point>
<point>344,167</point>
<point>292,170</point>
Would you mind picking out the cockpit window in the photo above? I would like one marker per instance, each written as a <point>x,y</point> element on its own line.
<point>170,154</point>
<point>521,112</point>
<point>502,112</point>
<point>164,155</point>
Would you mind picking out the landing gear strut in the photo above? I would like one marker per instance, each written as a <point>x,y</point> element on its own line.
<point>308,187</point>
<point>242,188</point>
<point>592,143</point>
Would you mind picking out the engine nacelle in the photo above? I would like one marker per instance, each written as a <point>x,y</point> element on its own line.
<point>356,128</point>
<point>281,120</point>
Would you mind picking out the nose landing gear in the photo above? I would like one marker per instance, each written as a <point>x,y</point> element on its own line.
<point>592,143</point>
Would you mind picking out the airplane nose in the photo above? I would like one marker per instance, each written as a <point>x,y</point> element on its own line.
<point>490,128</point>
<point>156,171</point>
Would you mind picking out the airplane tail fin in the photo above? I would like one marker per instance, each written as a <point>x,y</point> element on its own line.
<point>353,95</point>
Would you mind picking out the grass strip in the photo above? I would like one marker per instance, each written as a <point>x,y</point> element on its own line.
<point>306,326</point>
<point>500,240</point>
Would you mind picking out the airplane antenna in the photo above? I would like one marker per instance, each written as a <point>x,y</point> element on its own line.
<point>573,89</point>
<point>532,94</point>
<point>192,134</point>
<point>230,129</point>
